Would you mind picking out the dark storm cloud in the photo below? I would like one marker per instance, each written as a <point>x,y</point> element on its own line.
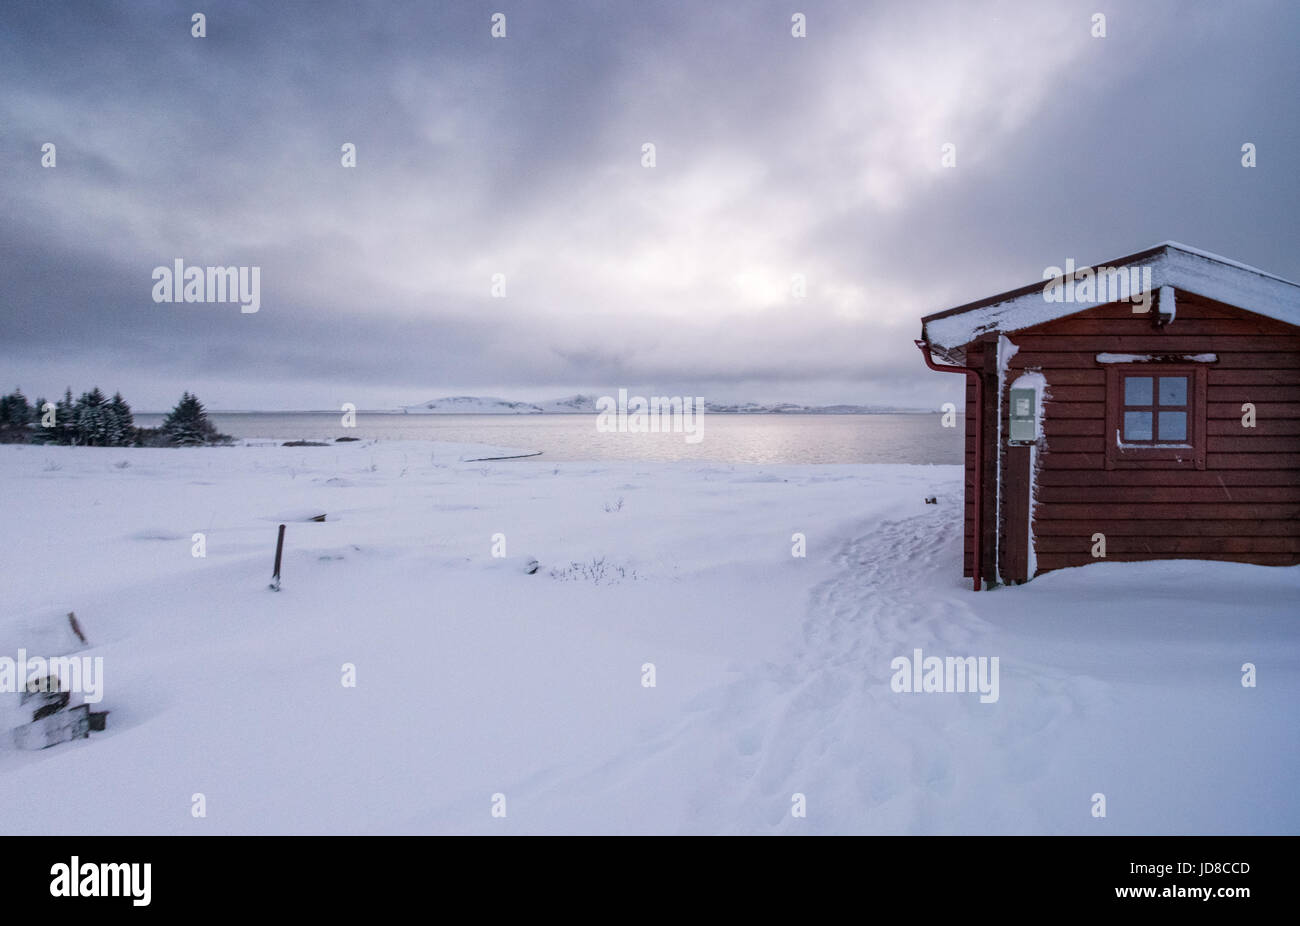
<point>521,156</point>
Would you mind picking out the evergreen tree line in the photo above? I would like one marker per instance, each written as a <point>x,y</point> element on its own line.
<point>96,421</point>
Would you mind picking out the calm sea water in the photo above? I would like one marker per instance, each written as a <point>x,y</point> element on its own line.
<point>568,438</point>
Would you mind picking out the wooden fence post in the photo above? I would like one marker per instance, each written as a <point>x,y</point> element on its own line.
<point>279,549</point>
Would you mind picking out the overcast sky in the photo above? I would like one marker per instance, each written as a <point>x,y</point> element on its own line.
<point>522,156</point>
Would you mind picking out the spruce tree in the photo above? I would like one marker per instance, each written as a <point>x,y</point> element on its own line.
<point>120,422</point>
<point>91,419</point>
<point>21,409</point>
<point>188,426</point>
<point>15,417</point>
<point>65,422</point>
<point>40,435</point>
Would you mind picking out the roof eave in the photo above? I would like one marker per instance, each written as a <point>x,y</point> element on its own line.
<point>1171,264</point>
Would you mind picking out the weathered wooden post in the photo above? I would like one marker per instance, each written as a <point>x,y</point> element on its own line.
<point>279,550</point>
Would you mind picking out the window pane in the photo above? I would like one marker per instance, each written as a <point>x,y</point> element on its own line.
<point>1173,390</point>
<point>1137,425</point>
<point>1173,425</point>
<point>1137,390</point>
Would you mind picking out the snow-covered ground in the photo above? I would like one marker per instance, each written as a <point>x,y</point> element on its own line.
<point>475,678</point>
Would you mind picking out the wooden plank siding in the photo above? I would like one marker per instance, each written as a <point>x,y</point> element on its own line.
<point>1017,480</point>
<point>974,359</point>
<point>981,355</point>
<point>1244,505</point>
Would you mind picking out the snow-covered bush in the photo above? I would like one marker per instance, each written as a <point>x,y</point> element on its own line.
<point>187,425</point>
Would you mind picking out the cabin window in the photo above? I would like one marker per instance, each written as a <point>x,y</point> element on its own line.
<point>1155,416</point>
<point>1155,409</point>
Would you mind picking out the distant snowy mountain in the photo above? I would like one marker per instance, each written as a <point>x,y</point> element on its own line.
<point>472,405</point>
<point>570,404</point>
<point>791,408</point>
<point>586,404</point>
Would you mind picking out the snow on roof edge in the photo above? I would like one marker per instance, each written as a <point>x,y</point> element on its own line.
<point>1210,255</point>
<point>1171,263</point>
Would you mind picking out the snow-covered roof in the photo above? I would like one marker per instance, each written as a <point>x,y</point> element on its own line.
<point>1170,264</point>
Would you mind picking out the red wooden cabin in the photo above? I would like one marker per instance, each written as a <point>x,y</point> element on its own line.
<point>1145,408</point>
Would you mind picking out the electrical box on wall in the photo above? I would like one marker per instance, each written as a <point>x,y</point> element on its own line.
<point>1024,417</point>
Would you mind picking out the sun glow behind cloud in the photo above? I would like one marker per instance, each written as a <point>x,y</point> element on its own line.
<point>775,157</point>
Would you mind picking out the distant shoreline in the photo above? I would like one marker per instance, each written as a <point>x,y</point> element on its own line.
<point>732,438</point>
<point>479,414</point>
